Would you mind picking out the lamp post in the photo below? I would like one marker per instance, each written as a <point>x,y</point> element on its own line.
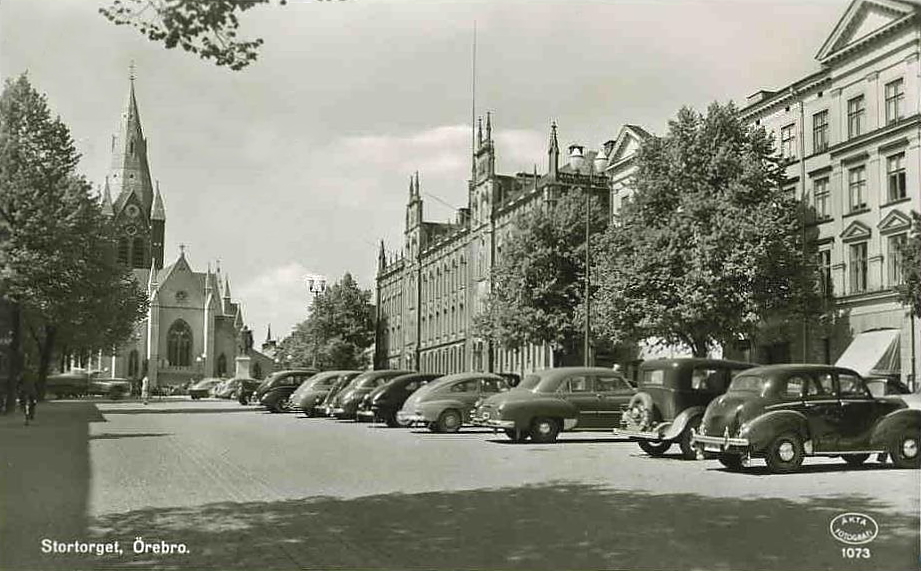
<point>576,162</point>
<point>316,286</point>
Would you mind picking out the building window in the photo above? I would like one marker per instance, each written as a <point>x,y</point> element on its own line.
<point>222,365</point>
<point>788,141</point>
<point>123,251</point>
<point>857,188</point>
<point>895,175</point>
<point>179,344</point>
<point>138,259</point>
<point>826,286</point>
<point>857,263</point>
<point>896,245</point>
<point>895,95</point>
<point>855,116</point>
<point>821,196</point>
<point>820,132</point>
<point>134,364</point>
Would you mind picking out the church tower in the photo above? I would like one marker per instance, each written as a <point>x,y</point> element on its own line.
<point>413,229</point>
<point>137,210</point>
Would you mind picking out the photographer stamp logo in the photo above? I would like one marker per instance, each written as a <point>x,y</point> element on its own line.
<point>854,528</point>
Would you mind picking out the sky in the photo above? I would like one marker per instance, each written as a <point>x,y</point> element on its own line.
<point>299,165</point>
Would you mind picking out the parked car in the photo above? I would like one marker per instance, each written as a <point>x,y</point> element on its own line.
<point>77,383</point>
<point>230,389</point>
<point>276,397</point>
<point>324,407</point>
<point>345,403</point>
<point>548,402</point>
<point>446,404</point>
<point>290,378</point>
<point>672,397</point>
<point>383,403</point>
<point>783,413</point>
<point>203,388</point>
<point>312,391</point>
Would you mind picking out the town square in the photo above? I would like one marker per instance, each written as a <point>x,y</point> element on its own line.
<point>393,284</point>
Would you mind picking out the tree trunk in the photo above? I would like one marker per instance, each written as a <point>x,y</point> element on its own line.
<point>16,359</point>
<point>700,347</point>
<point>45,353</point>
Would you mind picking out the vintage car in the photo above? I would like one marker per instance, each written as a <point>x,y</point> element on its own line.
<point>80,382</point>
<point>783,413</point>
<point>383,403</point>
<point>446,404</point>
<point>314,390</point>
<point>550,401</point>
<point>230,389</point>
<point>289,378</point>
<point>325,406</point>
<point>204,388</point>
<point>345,404</point>
<point>672,397</point>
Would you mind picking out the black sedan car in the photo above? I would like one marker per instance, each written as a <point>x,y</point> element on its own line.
<point>383,403</point>
<point>784,413</point>
<point>313,391</point>
<point>345,404</point>
<point>286,381</point>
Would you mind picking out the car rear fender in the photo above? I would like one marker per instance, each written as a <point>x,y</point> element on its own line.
<point>682,420</point>
<point>433,409</point>
<point>762,430</point>
<point>525,412</point>
<point>893,423</point>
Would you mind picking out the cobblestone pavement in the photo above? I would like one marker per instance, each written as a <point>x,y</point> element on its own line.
<point>242,488</point>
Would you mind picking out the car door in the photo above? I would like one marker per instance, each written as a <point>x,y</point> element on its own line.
<point>579,390</point>
<point>858,413</point>
<point>613,394</point>
<point>466,394</point>
<point>822,410</point>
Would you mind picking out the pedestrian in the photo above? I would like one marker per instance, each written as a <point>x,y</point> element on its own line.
<point>145,389</point>
<point>27,397</point>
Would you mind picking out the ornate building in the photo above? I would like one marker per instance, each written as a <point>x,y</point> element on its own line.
<point>851,133</point>
<point>193,324</point>
<point>428,294</point>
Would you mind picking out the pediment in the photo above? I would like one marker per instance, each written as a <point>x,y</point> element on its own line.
<point>895,221</point>
<point>627,143</point>
<point>864,18</point>
<point>856,231</point>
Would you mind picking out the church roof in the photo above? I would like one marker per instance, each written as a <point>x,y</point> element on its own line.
<point>158,212</point>
<point>130,171</point>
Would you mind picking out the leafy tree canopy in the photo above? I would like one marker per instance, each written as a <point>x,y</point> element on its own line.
<point>339,328</point>
<point>538,283</point>
<point>208,28</point>
<point>710,244</point>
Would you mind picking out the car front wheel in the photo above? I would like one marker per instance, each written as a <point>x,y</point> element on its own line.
<point>516,435</point>
<point>684,440</point>
<point>732,462</point>
<point>544,430</point>
<point>904,449</point>
<point>785,454</point>
<point>449,421</point>
<point>654,448</point>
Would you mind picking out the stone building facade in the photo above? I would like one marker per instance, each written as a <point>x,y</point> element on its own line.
<point>428,294</point>
<point>851,133</point>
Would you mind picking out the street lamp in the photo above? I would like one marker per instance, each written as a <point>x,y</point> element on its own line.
<point>576,162</point>
<point>316,286</point>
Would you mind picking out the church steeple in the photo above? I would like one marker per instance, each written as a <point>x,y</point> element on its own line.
<point>107,207</point>
<point>554,152</point>
<point>130,171</point>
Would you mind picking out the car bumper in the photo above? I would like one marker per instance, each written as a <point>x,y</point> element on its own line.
<point>412,418</point>
<point>721,444</point>
<point>493,422</point>
<point>365,414</point>
<point>638,434</point>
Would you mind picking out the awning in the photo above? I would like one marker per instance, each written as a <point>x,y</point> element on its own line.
<point>874,352</point>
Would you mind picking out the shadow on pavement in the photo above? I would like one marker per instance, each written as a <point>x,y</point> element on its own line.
<point>44,482</point>
<point>547,527</point>
<point>117,436</point>
<point>153,410</point>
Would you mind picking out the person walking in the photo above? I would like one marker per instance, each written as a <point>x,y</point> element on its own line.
<point>145,389</point>
<point>28,396</point>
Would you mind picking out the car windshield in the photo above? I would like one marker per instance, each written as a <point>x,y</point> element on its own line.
<point>653,378</point>
<point>528,383</point>
<point>747,384</point>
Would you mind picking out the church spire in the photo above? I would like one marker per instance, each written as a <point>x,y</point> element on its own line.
<point>130,172</point>
<point>107,208</point>
<point>226,287</point>
<point>554,152</point>
<point>268,336</point>
<point>158,212</point>
<point>488,126</point>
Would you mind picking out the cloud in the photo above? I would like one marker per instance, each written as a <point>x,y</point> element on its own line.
<point>276,296</point>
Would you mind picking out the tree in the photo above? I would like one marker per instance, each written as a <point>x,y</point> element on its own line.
<point>337,332</point>
<point>910,290</point>
<point>57,259</point>
<point>208,29</point>
<point>538,284</point>
<point>710,245</point>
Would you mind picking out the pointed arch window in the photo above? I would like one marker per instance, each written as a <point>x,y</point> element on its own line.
<point>134,364</point>
<point>179,344</point>
<point>123,251</point>
<point>138,254</point>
